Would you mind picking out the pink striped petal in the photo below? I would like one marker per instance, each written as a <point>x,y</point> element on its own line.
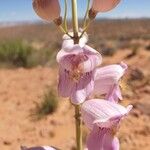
<point>94,59</point>
<point>107,81</point>
<point>77,91</point>
<point>109,74</point>
<point>104,114</point>
<point>65,58</point>
<point>114,93</point>
<point>86,59</point>
<point>104,5</point>
<point>102,139</point>
<point>95,139</point>
<point>110,142</point>
<point>65,84</point>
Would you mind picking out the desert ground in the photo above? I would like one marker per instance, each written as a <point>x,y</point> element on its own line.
<point>23,88</point>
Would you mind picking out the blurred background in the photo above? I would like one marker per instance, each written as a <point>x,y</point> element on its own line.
<point>31,112</point>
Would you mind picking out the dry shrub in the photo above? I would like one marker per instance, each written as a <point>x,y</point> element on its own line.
<point>47,106</point>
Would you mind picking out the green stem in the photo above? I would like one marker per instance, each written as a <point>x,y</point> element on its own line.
<point>77,107</point>
<point>63,31</point>
<point>86,27</point>
<point>65,17</point>
<point>86,14</point>
<point>75,21</point>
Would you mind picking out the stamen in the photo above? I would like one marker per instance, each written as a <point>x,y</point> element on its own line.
<point>123,85</point>
<point>75,75</point>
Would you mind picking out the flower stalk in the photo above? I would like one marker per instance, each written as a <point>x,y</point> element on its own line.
<point>65,17</point>
<point>77,107</point>
<point>86,14</point>
<point>75,21</point>
<point>78,127</point>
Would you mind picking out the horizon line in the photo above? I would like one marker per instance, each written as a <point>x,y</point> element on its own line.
<point>80,19</point>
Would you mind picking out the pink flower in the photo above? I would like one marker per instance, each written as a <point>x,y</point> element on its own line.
<point>76,66</point>
<point>106,81</point>
<point>47,9</point>
<point>103,118</point>
<point>39,148</point>
<point>104,5</point>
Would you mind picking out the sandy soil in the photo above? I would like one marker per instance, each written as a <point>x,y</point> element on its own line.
<point>20,89</point>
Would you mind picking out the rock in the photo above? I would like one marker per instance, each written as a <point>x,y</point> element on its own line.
<point>136,74</point>
<point>6,142</point>
<point>135,113</point>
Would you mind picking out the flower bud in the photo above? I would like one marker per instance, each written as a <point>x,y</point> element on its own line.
<point>47,9</point>
<point>104,5</point>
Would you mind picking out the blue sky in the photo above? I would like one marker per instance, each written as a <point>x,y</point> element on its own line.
<point>21,10</point>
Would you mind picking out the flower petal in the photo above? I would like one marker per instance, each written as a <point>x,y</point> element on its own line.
<point>109,74</point>
<point>114,93</point>
<point>85,58</point>
<point>39,148</point>
<point>65,58</point>
<point>103,113</point>
<point>49,148</point>
<point>95,139</point>
<point>110,142</point>
<point>94,59</point>
<point>68,43</point>
<point>65,83</point>
<point>106,81</point>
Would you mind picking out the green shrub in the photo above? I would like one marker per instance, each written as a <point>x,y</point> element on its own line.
<point>134,51</point>
<point>48,105</point>
<point>15,52</point>
<point>108,51</point>
<point>20,53</point>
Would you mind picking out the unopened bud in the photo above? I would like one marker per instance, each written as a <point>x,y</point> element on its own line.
<point>47,9</point>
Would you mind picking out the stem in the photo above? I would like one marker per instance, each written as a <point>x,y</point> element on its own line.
<point>86,14</point>
<point>75,21</point>
<point>86,27</point>
<point>77,107</point>
<point>78,127</point>
<point>63,31</point>
<point>65,17</point>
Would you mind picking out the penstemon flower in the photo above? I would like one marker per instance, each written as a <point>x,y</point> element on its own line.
<point>80,77</point>
<point>76,66</point>
<point>103,118</point>
<point>104,5</point>
<point>107,81</point>
<point>48,10</point>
